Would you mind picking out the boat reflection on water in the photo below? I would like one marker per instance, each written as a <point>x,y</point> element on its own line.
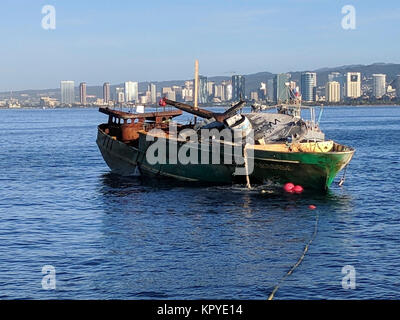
<point>119,186</point>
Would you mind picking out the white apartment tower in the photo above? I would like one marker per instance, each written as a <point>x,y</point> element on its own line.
<point>332,91</point>
<point>67,92</point>
<point>131,91</point>
<point>379,88</point>
<point>353,85</point>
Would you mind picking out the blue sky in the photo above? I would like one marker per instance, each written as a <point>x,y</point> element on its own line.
<point>115,41</point>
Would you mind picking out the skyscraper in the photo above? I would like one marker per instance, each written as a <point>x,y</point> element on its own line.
<point>228,90</point>
<point>379,88</point>
<point>67,92</point>
<point>270,90</point>
<point>353,85</point>
<point>398,86</point>
<point>281,86</point>
<point>131,91</point>
<point>82,93</point>
<point>203,92</point>
<point>106,92</point>
<point>332,91</point>
<point>338,77</point>
<point>153,92</point>
<point>119,95</point>
<point>262,91</point>
<point>219,92</point>
<point>210,88</point>
<point>238,87</point>
<point>308,86</point>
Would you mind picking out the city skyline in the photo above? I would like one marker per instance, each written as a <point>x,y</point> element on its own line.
<point>89,42</point>
<point>339,87</point>
<point>328,85</point>
<point>332,71</point>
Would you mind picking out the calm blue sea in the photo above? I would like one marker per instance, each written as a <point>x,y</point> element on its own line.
<point>122,238</point>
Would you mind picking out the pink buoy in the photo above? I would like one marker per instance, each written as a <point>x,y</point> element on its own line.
<point>288,187</point>
<point>312,207</point>
<point>298,189</point>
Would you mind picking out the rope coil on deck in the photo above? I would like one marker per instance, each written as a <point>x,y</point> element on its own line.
<point>271,296</point>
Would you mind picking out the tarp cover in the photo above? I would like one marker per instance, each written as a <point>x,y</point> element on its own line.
<point>276,127</point>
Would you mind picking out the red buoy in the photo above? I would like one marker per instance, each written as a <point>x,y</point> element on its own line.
<point>288,187</point>
<point>312,207</point>
<point>298,189</point>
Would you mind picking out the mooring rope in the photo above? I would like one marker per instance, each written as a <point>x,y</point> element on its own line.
<point>343,179</point>
<point>271,296</point>
<point>248,185</point>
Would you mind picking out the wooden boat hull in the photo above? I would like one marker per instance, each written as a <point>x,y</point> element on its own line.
<point>208,173</point>
<point>120,157</point>
<point>127,160</point>
<point>313,170</point>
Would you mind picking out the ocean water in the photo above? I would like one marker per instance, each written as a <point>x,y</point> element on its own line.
<point>109,237</point>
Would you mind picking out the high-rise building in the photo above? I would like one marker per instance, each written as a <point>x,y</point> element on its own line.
<point>270,90</point>
<point>67,92</point>
<point>228,90</point>
<point>131,91</point>
<point>187,94</point>
<point>119,95</point>
<point>106,92</point>
<point>171,95</point>
<point>308,86</point>
<point>153,93</point>
<point>332,91</point>
<point>238,87</point>
<point>178,92</point>
<point>165,90</point>
<point>262,91</point>
<point>219,92</point>
<point>379,88</point>
<point>281,86</point>
<point>82,93</point>
<point>353,85</point>
<point>398,86</point>
<point>210,88</point>
<point>203,92</point>
<point>338,77</point>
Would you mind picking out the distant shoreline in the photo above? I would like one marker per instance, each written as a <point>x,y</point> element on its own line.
<point>211,106</point>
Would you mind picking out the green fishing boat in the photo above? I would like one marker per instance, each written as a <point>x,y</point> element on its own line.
<point>308,160</point>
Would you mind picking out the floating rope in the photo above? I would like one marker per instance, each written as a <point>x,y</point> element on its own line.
<point>248,185</point>
<point>343,179</point>
<point>271,296</point>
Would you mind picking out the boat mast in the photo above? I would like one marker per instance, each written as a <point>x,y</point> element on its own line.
<point>196,87</point>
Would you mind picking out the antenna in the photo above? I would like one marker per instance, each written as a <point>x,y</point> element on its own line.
<point>196,87</point>
<point>196,84</point>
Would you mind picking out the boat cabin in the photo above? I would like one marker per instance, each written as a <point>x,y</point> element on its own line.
<point>125,126</point>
